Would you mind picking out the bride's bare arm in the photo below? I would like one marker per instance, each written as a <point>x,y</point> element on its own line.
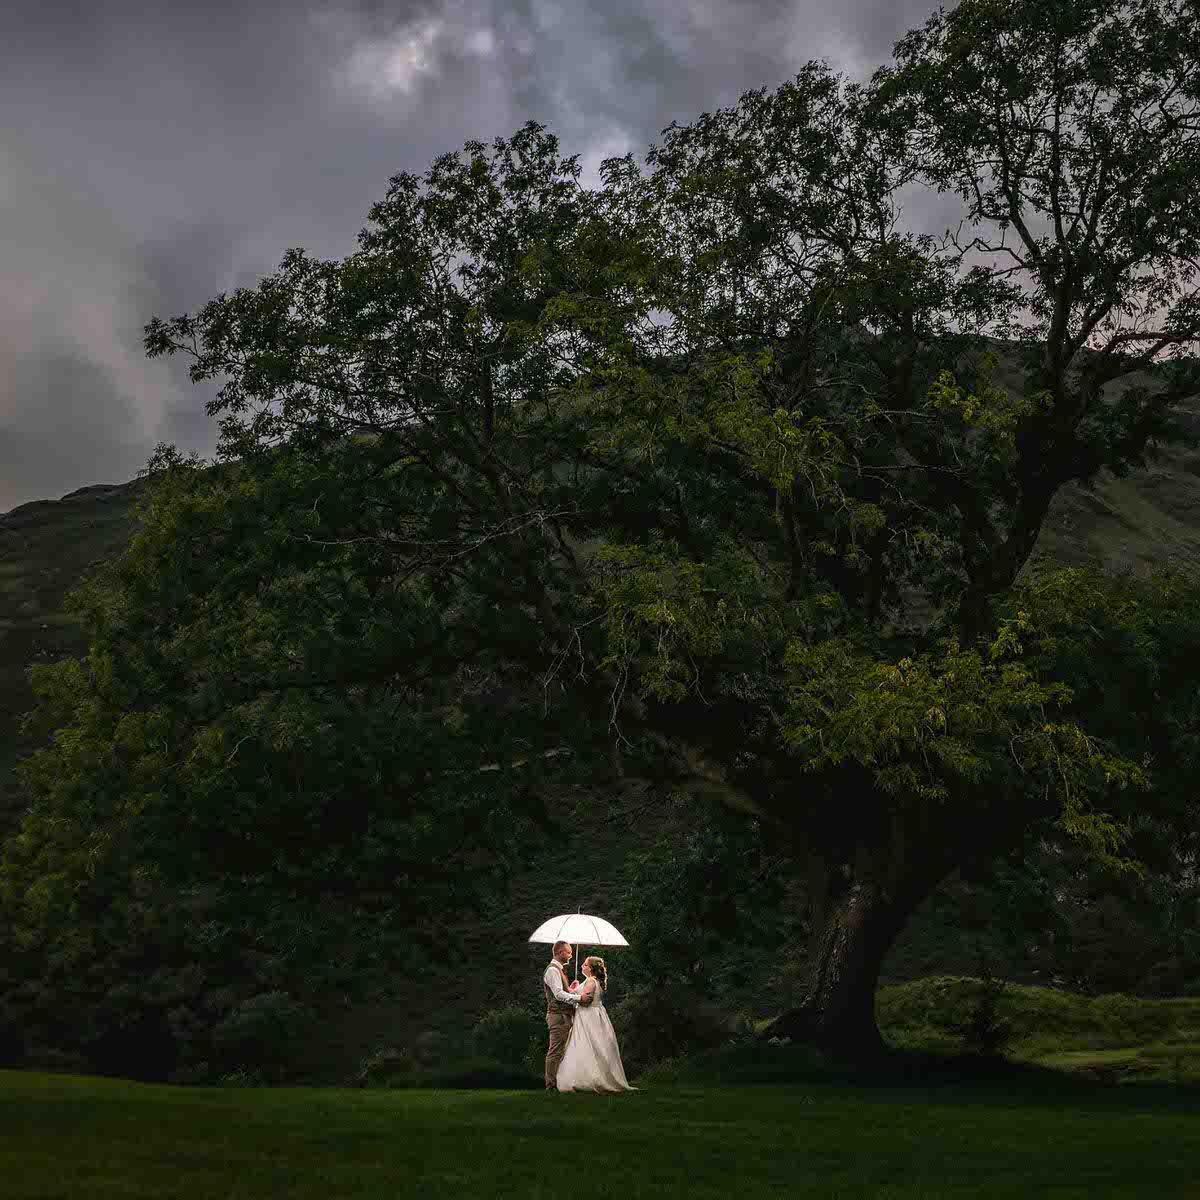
<point>587,992</point>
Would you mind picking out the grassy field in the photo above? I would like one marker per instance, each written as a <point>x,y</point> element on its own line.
<point>1100,1098</point>
<point>79,1136</point>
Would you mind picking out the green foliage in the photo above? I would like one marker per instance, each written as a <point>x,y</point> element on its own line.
<point>944,1001</point>
<point>261,1032</point>
<point>249,746</point>
<point>138,976</point>
<point>994,410</point>
<point>1036,1012</point>
<point>707,904</point>
<point>942,720</point>
<point>384,1064</point>
<point>709,534</point>
<point>652,589</point>
<point>1124,644</point>
<point>505,1035</point>
<point>983,1031</point>
<point>664,1023</point>
<point>174,771</point>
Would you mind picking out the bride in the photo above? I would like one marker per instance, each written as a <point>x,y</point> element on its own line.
<point>592,1062</point>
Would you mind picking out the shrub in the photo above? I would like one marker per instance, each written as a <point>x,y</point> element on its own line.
<point>534,1058</point>
<point>241,1078</point>
<point>431,1049</point>
<point>505,1035</point>
<point>944,1000</point>
<point>1039,1016</point>
<point>741,1030</point>
<point>1170,977</point>
<point>983,1031</point>
<point>384,1064</point>
<point>922,1038</point>
<point>1127,1018</point>
<point>262,1033</point>
<point>653,1026</point>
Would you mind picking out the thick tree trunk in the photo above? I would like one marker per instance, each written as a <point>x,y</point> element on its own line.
<point>857,913</point>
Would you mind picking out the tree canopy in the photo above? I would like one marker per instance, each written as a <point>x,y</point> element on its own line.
<point>682,456</point>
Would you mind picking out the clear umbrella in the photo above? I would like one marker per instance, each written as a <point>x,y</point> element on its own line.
<point>578,928</point>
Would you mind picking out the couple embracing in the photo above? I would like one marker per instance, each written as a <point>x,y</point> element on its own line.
<point>583,1054</point>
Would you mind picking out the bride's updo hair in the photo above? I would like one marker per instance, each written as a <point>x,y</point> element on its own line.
<point>597,968</point>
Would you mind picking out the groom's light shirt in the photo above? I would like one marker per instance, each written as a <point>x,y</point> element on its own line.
<point>553,979</point>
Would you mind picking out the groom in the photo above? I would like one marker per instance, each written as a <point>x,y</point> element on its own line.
<point>560,1010</point>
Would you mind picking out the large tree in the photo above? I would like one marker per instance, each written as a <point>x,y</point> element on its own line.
<point>910,756</point>
<point>681,456</point>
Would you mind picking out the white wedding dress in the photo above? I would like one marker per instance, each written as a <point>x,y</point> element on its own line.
<point>592,1062</point>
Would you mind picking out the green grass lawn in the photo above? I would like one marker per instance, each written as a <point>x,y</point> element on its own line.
<point>81,1136</point>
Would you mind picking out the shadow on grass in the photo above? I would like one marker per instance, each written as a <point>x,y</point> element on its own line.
<point>469,1073</point>
<point>973,1078</point>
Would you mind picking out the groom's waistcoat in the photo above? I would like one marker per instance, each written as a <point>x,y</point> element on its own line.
<point>554,1005</point>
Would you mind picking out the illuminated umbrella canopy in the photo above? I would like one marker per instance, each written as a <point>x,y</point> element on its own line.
<point>578,928</point>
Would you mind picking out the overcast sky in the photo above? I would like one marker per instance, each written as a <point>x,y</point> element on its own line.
<point>154,155</point>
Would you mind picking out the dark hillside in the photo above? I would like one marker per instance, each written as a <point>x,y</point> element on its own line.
<point>45,547</point>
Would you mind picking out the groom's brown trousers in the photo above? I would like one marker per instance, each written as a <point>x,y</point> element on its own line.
<point>559,1019</point>
<point>560,1030</point>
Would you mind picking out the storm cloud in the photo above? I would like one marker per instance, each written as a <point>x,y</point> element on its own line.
<point>153,156</point>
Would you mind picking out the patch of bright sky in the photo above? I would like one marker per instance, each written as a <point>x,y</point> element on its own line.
<point>397,63</point>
